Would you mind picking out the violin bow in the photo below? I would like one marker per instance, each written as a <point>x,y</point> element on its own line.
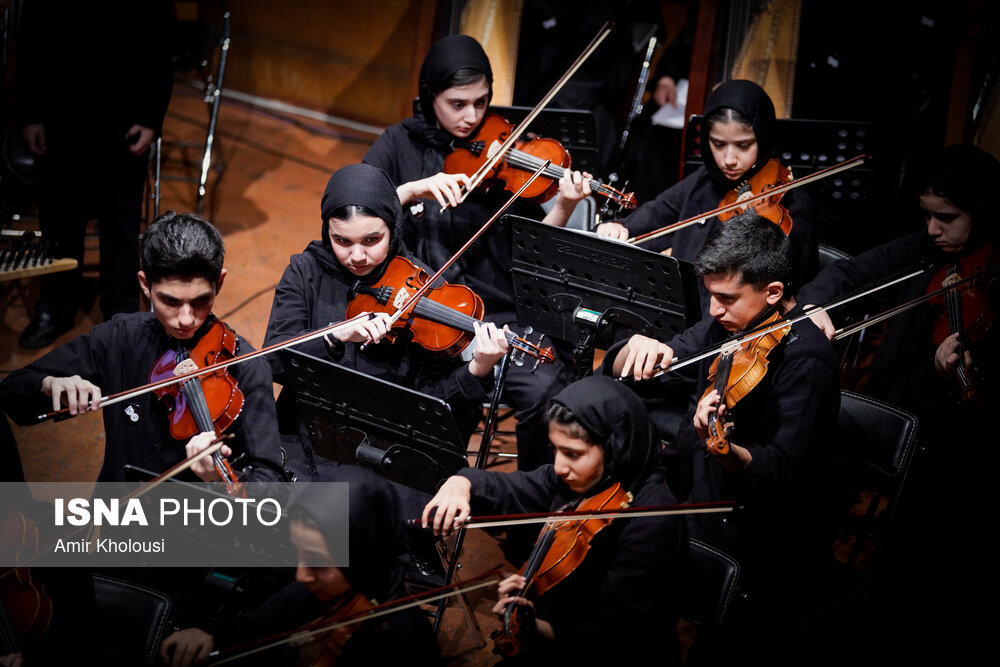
<point>482,581</point>
<point>500,520</point>
<point>785,322</point>
<point>896,310</point>
<point>791,185</point>
<point>129,393</point>
<point>412,300</point>
<point>497,152</point>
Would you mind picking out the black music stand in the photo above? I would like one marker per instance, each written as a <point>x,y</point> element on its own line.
<point>580,287</point>
<point>401,434</point>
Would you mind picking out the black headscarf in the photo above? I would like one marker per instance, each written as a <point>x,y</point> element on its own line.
<point>965,175</point>
<point>375,540</point>
<point>614,415</point>
<point>752,102</point>
<point>359,185</point>
<point>446,57</point>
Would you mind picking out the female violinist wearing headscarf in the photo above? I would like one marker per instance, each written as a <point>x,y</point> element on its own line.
<point>455,90</point>
<point>374,576</point>
<point>737,140</point>
<point>621,600</point>
<point>361,221</point>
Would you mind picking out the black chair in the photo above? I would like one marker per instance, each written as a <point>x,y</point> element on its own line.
<point>711,586</point>
<point>828,255</point>
<point>137,617</point>
<point>882,438</point>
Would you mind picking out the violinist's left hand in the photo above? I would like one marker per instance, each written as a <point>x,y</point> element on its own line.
<point>513,584</point>
<point>573,187</point>
<point>491,344</point>
<point>204,467</point>
<point>706,406</point>
<point>190,646</point>
<point>946,357</point>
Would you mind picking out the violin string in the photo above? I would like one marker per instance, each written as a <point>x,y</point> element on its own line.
<point>528,161</point>
<point>442,314</point>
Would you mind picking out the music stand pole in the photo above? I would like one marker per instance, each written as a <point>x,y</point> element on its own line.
<point>485,444</point>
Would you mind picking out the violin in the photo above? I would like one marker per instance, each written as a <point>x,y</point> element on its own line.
<point>736,371</point>
<point>441,321</point>
<point>560,548</point>
<point>527,155</point>
<point>325,649</point>
<point>771,176</point>
<point>969,311</point>
<point>209,403</point>
<point>25,607</point>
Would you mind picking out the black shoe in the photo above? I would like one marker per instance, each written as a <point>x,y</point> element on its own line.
<point>44,328</point>
<point>425,572</point>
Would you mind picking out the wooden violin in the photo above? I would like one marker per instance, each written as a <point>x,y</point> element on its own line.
<point>560,548</point>
<point>736,371</point>
<point>969,311</point>
<point>25,607</point>
<point>520,161</point>
<point>210,403</point>
<point>442,320</point>
<point>324,649</point>
<point>770,177</point>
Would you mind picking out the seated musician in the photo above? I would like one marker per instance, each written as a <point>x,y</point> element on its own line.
<point>915,366</point>
<point>360,238</point>
<point>621,600</point>
<point>911,369</point>
<point>182,272</point>
<point>738,129</point>
<point>455,90</point>
<point>780,438</point>
<point>374,576</point>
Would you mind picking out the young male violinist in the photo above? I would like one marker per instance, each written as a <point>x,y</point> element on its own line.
<point>182,272</point>
<point>778,439</point>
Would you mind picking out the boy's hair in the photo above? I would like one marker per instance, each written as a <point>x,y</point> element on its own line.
<point>748,245</point>
<point>182,245</point>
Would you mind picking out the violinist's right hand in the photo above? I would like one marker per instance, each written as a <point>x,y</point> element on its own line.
<point>204,467</point>
<point>823,321</point>
<point>80,395</point>
<point>445,188</point>
<point>640,356</point>
<point>190,646</point>
<point>368,331</point>
<point>613,230</point>
<point>451,505</point>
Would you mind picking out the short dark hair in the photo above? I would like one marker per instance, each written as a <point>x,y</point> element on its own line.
<point>464,76</point>
<point>184,246</point>
<point>749,245</point>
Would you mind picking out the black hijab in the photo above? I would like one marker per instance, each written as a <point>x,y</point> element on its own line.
<point>359,185</point>
<point>446,57</point>
<point>613,415</point>
<point>965,175</point>
<point>752,102</point>
<point>375,527</point>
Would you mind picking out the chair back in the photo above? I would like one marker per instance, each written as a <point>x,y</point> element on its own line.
<point>136,615</point>
<point>710,585</point>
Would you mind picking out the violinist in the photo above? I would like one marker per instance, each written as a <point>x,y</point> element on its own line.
<point>909,368</point>
<point>778,449</point>
<point>361,219</point>
<point>620,600</point>
<point>914,367</point>
<point>737,140</point>
<point>374,576</point>
<point>182,272</point>
<point>455,90</point>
